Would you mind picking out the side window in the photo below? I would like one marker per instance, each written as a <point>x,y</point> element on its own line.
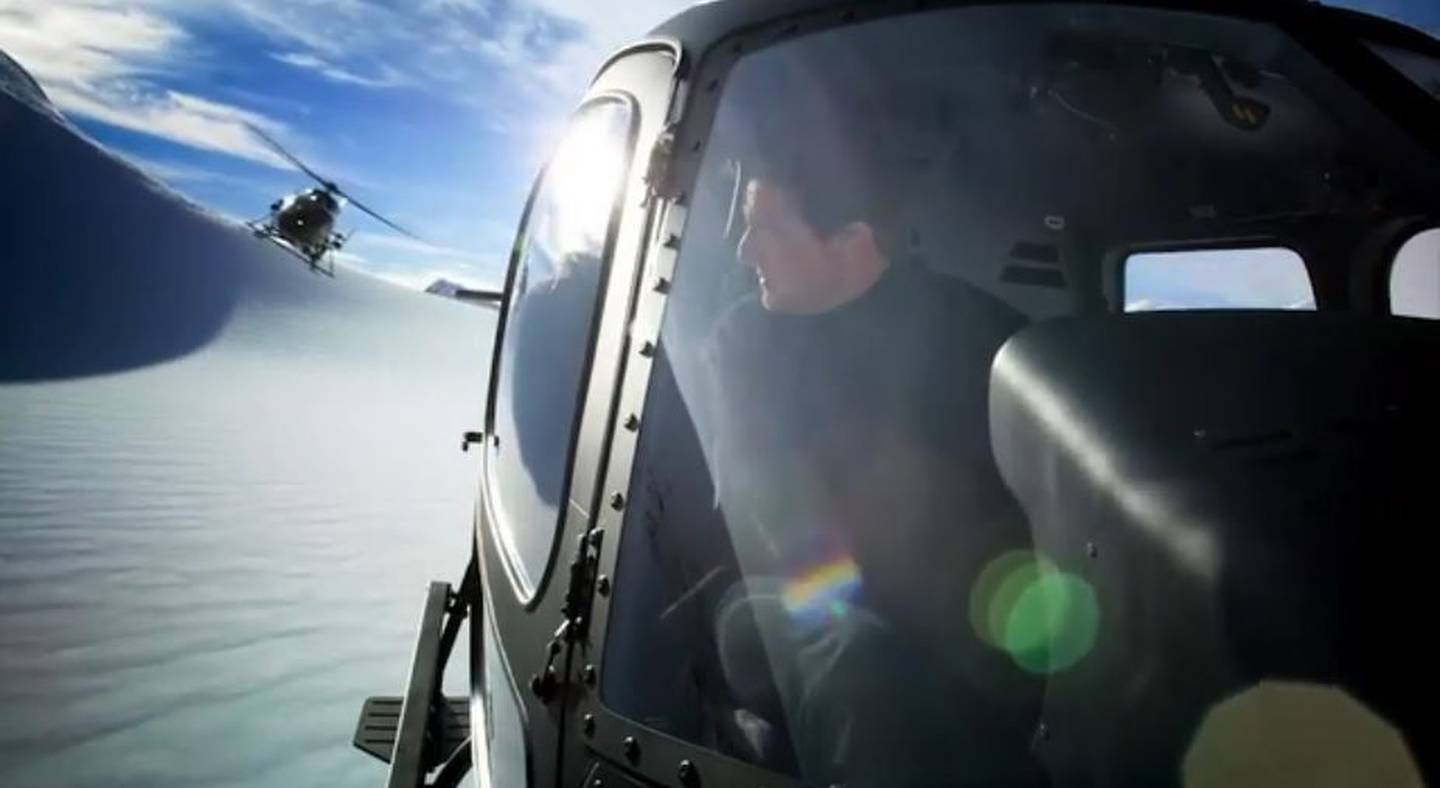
<point>1415,277</point>
<point>1251,278</point>
<point>812,470</point>
<point>546,341</point>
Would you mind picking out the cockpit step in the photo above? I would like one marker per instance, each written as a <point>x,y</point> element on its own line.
<point>380,719</point>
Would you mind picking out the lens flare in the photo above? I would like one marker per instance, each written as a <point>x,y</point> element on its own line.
<point>823,591</point>
<point>1046,620</point>
<point>1281,734</point>
<point>1053,623</point>
<point>985,595</point>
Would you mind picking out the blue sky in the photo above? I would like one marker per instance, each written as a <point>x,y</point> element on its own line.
<point>435,112</point>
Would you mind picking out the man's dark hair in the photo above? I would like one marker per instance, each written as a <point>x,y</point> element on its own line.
<point>819,139</point>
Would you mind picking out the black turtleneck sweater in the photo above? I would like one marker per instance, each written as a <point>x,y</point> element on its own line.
<point>871,697</point>
<point>911,355</point>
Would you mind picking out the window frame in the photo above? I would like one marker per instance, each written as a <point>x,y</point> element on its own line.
<point>1122,255</point>
<point>489,488</point>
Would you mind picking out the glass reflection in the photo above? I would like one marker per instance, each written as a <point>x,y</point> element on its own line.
<point>583,179</point>
<point>547,333</point>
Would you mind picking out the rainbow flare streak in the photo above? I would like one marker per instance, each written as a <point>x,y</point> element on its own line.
<point>823,592</point>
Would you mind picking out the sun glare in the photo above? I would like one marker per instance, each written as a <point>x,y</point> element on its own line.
<point>586,173</point>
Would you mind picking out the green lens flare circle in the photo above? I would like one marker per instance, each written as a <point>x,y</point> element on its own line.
<point>996,588</point>
<point>1053,623</point>
<point>1046,620</point>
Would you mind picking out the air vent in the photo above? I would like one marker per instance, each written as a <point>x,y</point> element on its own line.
<point>1037,277</point>
<point>1035,252</point>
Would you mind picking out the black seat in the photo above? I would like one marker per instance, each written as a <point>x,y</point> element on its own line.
<point>1251,496</point>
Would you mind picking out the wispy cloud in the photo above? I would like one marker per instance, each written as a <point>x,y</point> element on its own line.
<point>389,77</point>
<point>181,174</point>
<point>98,61</point>
<point>178,117</point>
<point>555,43</point>
<point>171,172</point>
<point>75,42</point>
<point>332,28</point>
<point>402,244</point>
<point>103,59</point>
<point>415,263</point>
<point>605,27</point>
<point>410,279</point>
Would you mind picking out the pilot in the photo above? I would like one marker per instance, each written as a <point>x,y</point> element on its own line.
<point>850,345</point>
<point>856,382</point>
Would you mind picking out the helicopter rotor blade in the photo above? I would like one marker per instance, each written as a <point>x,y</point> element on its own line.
<point>290,157</point>
<point>326,182</point>
<point>377,216</point>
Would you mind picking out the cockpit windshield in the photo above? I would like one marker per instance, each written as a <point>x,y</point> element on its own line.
<point>860,549</point>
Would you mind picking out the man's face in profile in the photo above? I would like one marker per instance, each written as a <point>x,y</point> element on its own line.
<point>796,268</point>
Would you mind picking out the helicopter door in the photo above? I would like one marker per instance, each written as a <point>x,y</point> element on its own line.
<point>559,342</point>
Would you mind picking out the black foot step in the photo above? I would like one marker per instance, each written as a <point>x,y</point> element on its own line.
<point>380,719</point>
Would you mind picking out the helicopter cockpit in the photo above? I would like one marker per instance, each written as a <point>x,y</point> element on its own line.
<point>1079,484</point>
<point>308,209</point>
<point>921,393</point>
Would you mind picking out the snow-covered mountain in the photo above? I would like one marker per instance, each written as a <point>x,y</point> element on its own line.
<point>443,287</point>
<point>224,480</point>
<point>448,289</point>
<point>18,83</point>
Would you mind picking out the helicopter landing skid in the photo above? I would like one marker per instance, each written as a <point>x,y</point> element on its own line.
<point>268,233</point>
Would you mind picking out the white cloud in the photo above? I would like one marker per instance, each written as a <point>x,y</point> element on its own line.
<point>389,77</point>
<point>546,51</point>
<point>554,44</point>
<point>100,58</point>
<point>402,244</point>
<point>172,173</point>
<point>607,27</point>
<point>178,117</point>
<point>333,28</point>
<point>180,175</point>
<point>412,279</point>
<point>97,61</point>
<point>71,42</point>
<point>414,263</point>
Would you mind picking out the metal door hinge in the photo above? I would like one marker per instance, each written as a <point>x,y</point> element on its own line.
<point>575,611</point>
<point>658,171</point>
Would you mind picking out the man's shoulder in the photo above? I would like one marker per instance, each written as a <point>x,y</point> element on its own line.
<point>956,288</point>
<point>959,301</point>
<point>747,321</point>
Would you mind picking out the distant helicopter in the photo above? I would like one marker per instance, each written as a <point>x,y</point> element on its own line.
<point>303,223</point>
